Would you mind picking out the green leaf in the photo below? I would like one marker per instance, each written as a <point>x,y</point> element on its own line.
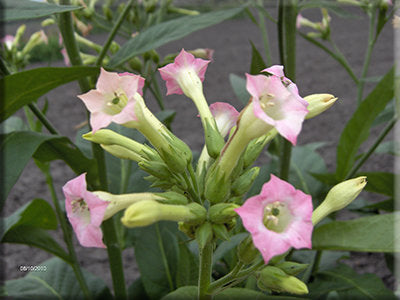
<point>389,147</point>
<point>257,62</point>
<point>333,6</point>
<point>168,31</point>
<point>379,182</point>
<point>367,234</point>
<point>13,123</point>
<point>349,285</point>
<point>239,88</point>
<point>227,246</point>
<point>157,252</point>
<point>26,86</point>
<point>242,293</point>
<point>136,290</point>
<point>182,293</point>
<point>358,128</point>
<point>56,280</point>
<point>28,226</point>
<point>44,148</point>
<point>188,267</point>
<point>386,205</point>
<point>12,10</point>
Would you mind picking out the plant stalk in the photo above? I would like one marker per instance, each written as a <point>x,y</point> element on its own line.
<point>205,271</point>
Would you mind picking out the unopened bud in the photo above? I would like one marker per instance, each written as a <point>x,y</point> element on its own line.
<point>48,22</point>
<point>242,184</point>
<point>107,12</point>
<point>277,280</point>
<point>217,185</point>
<point>318,103</point>
<point>222,212</point>
<point>220,231</point>
<point>171,198</point>
<point>339,197</point>
<point>204,53</point>
<point>37,38</point>
<point>255,147</point>
<point>121,152</point>
<point>136,64</point>
<point>204,234</point>
<point>214,139</point>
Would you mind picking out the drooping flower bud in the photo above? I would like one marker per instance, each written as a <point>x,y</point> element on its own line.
<point>277,280</point>
<point>339,197</point>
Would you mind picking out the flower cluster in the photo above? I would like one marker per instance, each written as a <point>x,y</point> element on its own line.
<point>208,199</point>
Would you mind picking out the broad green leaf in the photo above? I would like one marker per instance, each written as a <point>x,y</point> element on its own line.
<point>13,123</point>
<point>358,128</point>
<point>168,31</point>
<point>386,205</point>
<point>367,234</point>
<point>136,290</point>
<point>239,88</point>
<point>37,213</point>
<point>19,146</point>
<point>188,267</point>
<point>242,293</point>
<point>380,182</point>
<point>227,246</point>
<point>389,147</point>
<point>157,252</point>
<point>182,293</point>
<point>29,225</point>
<point>24,87</point>
<point>257,62</point>
<point>386,115</point>
<point>56,281</point>
<point>349,285</point>
<point>12,10</point>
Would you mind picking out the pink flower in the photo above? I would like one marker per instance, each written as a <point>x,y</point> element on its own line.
<point>278,218</point>
<point>113,99</point>
<point>276,102</point>
<point>185,67</point>
<point>8,41</point>
<point>85,212</point>
<point>225,116</point>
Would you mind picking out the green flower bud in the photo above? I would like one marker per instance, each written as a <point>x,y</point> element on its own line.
<point>48,22</point>
<point>220,231</point>
<point>204,234</point>
<point>255,147</point>
<point>246,252</point>
<point>242,184</point>
<point>217,186</point>
<point>339,197</point>
<point>277,280</point>
<point>292,268</point>
<point>107,12</point>
<point>155,168</point>
<point>145,213</point>
<point>121,152</point>
<point>114,47</point>
<point>214,140</point>
<point>222,212</point>
<point>136,64</point>
<point>318,103</point>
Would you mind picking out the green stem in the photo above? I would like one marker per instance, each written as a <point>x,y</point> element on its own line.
<point>287,32</point>
<point>113,33</point>
<point>115,258</point>
<point>264,35</point>
<point>317,261</point>
<point>67,237</point>
<point>42,118</point>
<point>367,59</point>
<point>216,285</point>
<point>371,150</point>
<point>126,167</point>
<point>205,271</point>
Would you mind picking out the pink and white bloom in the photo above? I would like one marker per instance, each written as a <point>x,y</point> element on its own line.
<point>225,116</point>
<point>184,74</point>
<point>8,41</point>
<point>278,218</point>
<point>113,100</point>
<point>276,101</point>
<point>85,212</point>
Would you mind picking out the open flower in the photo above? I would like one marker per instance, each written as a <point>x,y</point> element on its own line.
<point>276,101</point>
<point>186,73</point>
<point>85,212</point>
<point>225,116</point>
<point>113,99</point>
<point>278,218</point>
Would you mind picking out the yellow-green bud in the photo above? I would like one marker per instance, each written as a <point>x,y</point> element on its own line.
<point>255,147</point>
<point>107,12</point>
<point>217,186</point>
<point>222,212</point>
<point>214,139</point>
<point>246,252</point>
<point>204,234</point>
<point>339,197</point>
<point>35,39</point>
<point>292,268</point>
<point>136,64</point>
<point>156,168</point>
<point>242,184</point>
<point>277,280</point>
<point>114,47</point>
<point>121,152</point>
<point>145,213</point>
<point>20,32</point>
<point>318,103</point>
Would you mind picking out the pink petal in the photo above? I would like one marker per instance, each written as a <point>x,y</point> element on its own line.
<point>108,82</point>
<point>225,116</point>
<point>94,100</point>
<point>99,120</point>
<point>127,114</point>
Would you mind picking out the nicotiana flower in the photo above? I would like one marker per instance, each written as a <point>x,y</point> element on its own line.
<point>225,116</point>
<point>278,218</point>
<point>85,212</point>
<point>276,101</point>
<point>8,41</point>
<point>113,99</point>
<point>186,72</point>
